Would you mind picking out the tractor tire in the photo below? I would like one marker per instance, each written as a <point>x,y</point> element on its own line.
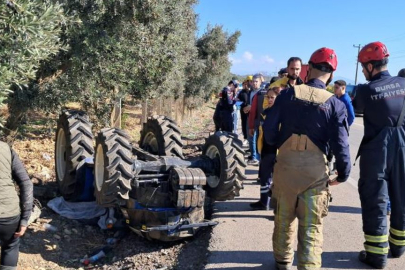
<point>231,172</point>
<point>73,143</point>
<point>112,167</point>
<point>161,136</point>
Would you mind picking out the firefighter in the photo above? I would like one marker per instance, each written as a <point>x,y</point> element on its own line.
<point>304,122</point>
<point>382,154</point>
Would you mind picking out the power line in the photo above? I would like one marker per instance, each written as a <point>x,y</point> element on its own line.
<point>357,64</point>
<point>398,56</point>
<point>393,37</point>
<point>400,51</point>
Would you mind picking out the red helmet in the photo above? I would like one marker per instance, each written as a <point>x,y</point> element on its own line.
<point>324,56</point>
<point>373,51</point>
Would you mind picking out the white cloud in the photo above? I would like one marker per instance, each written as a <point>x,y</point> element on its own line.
<point>268,59</point>
<point>248,56</point>
<point>247,63</point>
<point>234,60</point>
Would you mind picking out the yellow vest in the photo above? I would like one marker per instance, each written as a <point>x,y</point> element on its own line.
<point>283,82</point>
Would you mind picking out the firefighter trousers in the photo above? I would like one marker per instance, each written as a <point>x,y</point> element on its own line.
<point>300,188</point>
<point>382,173</point>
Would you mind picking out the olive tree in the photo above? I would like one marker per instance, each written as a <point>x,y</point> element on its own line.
<point>210,70</point>
<point>134,47</point>
<point>29,33</point>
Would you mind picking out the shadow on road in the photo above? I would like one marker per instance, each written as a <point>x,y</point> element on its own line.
<point>233,206</point>
<point>195,253</point>
<point>345,209</point>
<point>251,183</point>
<point>252,260</point>
<point>252,171</point>
<point>269,216</point>
<point>342,260</point>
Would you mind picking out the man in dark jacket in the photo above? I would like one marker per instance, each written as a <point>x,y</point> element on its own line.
<point>294,69</point>
<point>382,155</point>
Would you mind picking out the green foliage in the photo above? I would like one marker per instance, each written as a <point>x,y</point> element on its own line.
<point>133,47</point>
<point>209,72</point>
<point>142,48</point>
<point>29,33</point>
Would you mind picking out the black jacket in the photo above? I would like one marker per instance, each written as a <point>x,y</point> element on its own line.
<point>244,97</point>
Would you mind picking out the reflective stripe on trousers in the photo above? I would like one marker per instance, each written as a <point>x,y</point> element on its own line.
<point>266,175</point>
<point>300,187</point>
<point>382,178</point>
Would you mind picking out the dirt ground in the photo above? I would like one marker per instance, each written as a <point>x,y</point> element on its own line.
<point>68,241</point>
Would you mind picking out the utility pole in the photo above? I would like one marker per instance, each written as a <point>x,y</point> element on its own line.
<point>357,64</point>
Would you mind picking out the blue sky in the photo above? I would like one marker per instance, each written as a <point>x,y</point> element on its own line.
<point>273,31</point>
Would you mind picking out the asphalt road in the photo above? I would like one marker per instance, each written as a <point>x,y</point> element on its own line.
<point>242,240</point>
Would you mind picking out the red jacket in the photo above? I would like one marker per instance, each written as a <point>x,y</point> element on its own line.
<point>252,113</point>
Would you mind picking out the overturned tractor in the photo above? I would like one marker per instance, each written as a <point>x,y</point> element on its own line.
<point>161,195</point>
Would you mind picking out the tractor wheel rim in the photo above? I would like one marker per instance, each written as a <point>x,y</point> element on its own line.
<point>99,168</point>
<point>150,143</point>
<point>61,154</point>
<point>212,152</point>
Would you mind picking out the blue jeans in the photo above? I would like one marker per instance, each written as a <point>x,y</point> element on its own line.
<point>253,144</point>
<point>235,121</point>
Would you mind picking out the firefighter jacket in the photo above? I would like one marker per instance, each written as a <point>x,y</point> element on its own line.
<point>381,100</point>
<point>324,123</point>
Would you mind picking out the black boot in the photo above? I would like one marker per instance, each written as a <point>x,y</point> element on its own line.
<point>258,206</point>
<point>396,251</point>
<point>283,266</point>
<point>376,261</point>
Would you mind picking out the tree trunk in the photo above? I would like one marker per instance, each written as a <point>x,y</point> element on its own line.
<point>16,114</point>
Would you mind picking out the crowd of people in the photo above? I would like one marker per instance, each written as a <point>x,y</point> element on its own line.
<point>295,129</point>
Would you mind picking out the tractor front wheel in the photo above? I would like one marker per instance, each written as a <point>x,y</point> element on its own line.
<point>227,182</point>
<point>73,143</point>
<point>112,167</point>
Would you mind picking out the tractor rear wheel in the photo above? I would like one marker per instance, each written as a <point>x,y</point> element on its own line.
<point>161,136</point>
<point>112,167</point>
<point>73,143</point>
<point>228,181</point>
